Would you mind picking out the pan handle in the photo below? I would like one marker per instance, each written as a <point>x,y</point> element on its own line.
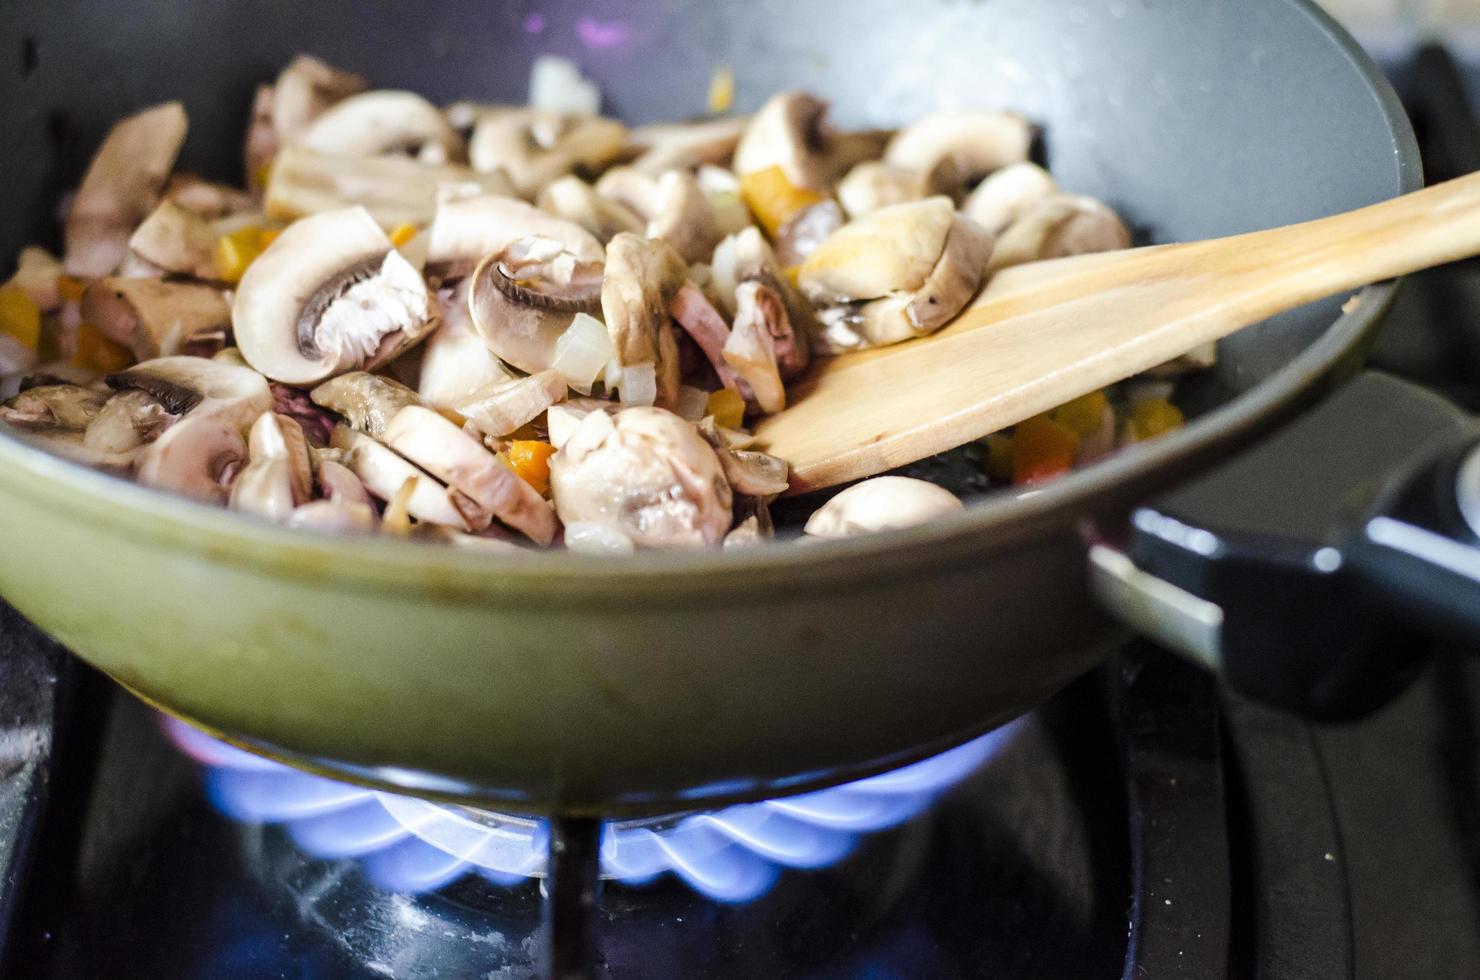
<point>1315,571</point>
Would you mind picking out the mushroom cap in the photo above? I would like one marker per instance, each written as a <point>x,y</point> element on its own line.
<point>787,133</point>
<point>468,228</point>
<point>684,146</point>
<point>1005,196</point>
<point>642,276</point>
<point>375,123</point>
<point>750,351</point>
<point>684,217</point>
<point>305,89</point>
<point>956,276</point>
<point>880,504</point>
<point>535,146</point>
<point>176,241</point>
<point>197,457</point>
<point>646,473</point>
<point>873,184</point>
<point>889,250</point>
<point>1059,226</point>
<point>958,146</point>
<point>121,186</point>
<point>329,295</point>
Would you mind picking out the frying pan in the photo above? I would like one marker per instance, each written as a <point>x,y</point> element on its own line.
<point>665,681</point>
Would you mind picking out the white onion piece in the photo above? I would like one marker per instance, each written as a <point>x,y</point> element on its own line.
<point>722,273</point>
<point>589,538</point>
<point>556,84</point>
<point>582,352</point>
<point>639,385</point>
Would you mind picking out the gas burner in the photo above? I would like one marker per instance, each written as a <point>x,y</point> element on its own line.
<point>408,846</point>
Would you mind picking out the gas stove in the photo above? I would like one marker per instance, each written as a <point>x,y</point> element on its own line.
<point>1143,823</point>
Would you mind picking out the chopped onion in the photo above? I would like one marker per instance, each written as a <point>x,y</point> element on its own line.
<point>639,384</point>
<point>590,538</point>
<point>722,272</point>
<point>582,352</point>
<point>556,84</point>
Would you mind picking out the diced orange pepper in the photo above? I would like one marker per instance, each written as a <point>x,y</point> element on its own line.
<point>999,456</point>
<point>402,234</point>
<point>1083,414</point>
<point>20,317</point>
<point>530,459</point>
<point>722,89</point>
<point>773,199</point>
<point>266,236</point>
<point>1041,448</point>
<point>727,407</point>
<point>96,352</point>
<point>234,252</point>
<point>1154,417</point>
<point>70,289</point>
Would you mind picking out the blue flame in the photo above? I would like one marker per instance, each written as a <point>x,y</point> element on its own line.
<point>407,845</point>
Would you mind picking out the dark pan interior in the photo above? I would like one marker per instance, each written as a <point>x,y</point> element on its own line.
<point>1187,140</point>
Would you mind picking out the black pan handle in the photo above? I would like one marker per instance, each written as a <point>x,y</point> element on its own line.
<point>1316,570</point>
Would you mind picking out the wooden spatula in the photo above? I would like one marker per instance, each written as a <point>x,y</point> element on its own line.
<point>1042,334</point>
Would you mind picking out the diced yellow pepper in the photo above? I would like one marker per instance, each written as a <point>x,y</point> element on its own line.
<point>1041,448</point>
<point>266,236</point>
<point>452,415</point>
<point>727,407</point>
<point>999,456</point>
<point>1154,417</point>
<point>96,352</point>
<point>531,460</point>
<point>402,234</point>
<point>773,199</point>
<point>234,252</point>
<point>396,519</point>
<point>20,317</point>
<point>792,273</point>
<point>1083,414</point>
<point>262,174</point>
<point>70,289</point>
<point>722,89</point>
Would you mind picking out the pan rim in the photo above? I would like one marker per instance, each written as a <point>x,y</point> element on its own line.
<point>1002,522</point>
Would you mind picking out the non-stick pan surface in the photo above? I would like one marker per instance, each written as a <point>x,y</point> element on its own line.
<point>664,680</point>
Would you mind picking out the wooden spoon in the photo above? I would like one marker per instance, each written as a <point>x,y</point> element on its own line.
<point>1042,334</point>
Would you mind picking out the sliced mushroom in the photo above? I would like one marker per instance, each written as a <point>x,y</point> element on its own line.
<point>278,437</point>
<point>338,483</point>
<point>587,538</point>
<point>789,132</point>
<point>632,189</point>
<point>507,406</point>
<point>684,217</point>
<point>367,401</point>
<point>63,406</point>
<point>384,122</point>
<point>752,474</point>
<point>1007,195</point>
<point>802,234</point>
<point>126,422</point>
<point>1059,226</point>
<point>176,241</point>
<point>154,317</point>
<point>747,256</point>
<point>751,350</point>
<point>746,534</point>
<point>333,516</point>
<point>199,388</point>
<point>384,473</point>
<point>329,295</point>
<point>534,146</point>
<point>455,362</point>
<point>395,190</point>
<point>206,199</point>
<point>890,250</point>
<point>36,272</point>
<point>642,277</point>
<point>685,146</point>
<point>121,187</point>
<point>264,487</point>
<point>572,199</point>
<point>874,184</point>
<point>198,456</point>
<point>445,451</point>
<point>524,297</point>
<point>646,473</point>
<point>958,147</point>
<point>469,228</point>
<point>302,92</point>
<point>881,504</point>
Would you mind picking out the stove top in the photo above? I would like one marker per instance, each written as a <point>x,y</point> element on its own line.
<point>1140,824</point>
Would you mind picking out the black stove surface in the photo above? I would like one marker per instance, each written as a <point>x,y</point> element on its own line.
<point>1139,825</point>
